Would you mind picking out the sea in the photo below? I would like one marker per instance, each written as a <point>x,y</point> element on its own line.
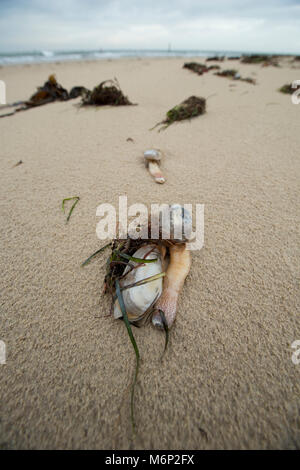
<point>34,57</point>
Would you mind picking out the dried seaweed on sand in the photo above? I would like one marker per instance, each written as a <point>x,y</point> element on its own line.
<point>228,73</point>
<point>107,93</point>
<point>288,88</point>
<point>50,91</point>
<point>215,58</point>
<point>188,109</point>
<point>199,68</point>
<point>234,75</point>
<point>264,60</point>
<point>76,199</point>
<point>77,91</point>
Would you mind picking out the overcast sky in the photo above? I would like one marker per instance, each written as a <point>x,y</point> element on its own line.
<point>246,25</point>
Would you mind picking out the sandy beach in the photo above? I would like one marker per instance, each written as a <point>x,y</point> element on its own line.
<point>227,380</point>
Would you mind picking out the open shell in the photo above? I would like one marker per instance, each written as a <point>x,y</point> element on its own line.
<point>138,300</point>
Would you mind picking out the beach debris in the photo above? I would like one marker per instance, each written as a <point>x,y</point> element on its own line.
<point>77,91</point>
<point>152,161</point>
<point>213,67</point>
<point>297,58</point>
<point>195,67</point>
<point>138,295</point>
<point>203,433</point>
<point>87,261</point>
<point>178,269</point>
<point>50,91</point>
<point>288,88</point>
<point>248,80</point>
<point>76,198</point>
<point>215,58</point>
<point>135,347</point>
<point>18,164</point>
<point>179,264</point>
<point>139,261</point>
<point>136,271</point>
<point>235,75</point>
<point>264,60</point>
<point>200,68</point>
<point>188,109</point>
<point>228,73</point>
<point>129,139</point>
<point>134,280</point>
<point>107,93</point>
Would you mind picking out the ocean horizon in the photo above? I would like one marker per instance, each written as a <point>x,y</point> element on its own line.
<point>47,56</point>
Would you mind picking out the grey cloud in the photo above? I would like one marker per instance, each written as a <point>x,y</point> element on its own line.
<point>222,24</point>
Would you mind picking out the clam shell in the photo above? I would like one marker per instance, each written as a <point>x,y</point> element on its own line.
<point>138,299</point>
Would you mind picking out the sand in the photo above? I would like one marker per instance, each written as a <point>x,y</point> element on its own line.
<point>227,380</point>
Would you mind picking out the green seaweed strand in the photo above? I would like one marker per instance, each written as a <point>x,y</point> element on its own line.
<point>135,347</point>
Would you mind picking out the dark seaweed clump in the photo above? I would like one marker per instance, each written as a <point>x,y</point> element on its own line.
<point>77,91</point>
<point>107,93</point>
<point>229,73</point>
<point>288,89</point>
<point>190,108</point>
<point>234,75</point>
<point>215,58</point>
<point>50,91</point>
<point>265,60</point>
<point>200,68</point>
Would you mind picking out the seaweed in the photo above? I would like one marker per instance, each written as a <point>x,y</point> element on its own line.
<point>50,91</point>
<point>190,108</point>
<point>263,59</point>
<point>288,88</point>
<point>77,199</point>
<point>107,93</point>
<point>215,58</point>
<point>229,73</point>
<point>135,347</point>
<point>234,75</point>
<point>87,261</point>
<point>199,68</point>
<point>213,67</point>
<point>248,80</point>
<point>77,91</point>
<point>195,67</point>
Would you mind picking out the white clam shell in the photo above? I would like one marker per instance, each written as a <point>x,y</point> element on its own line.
<point>138,299</point>
<point>152,154</point>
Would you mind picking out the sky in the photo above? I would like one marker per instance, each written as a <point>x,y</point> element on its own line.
<point>233,25</point>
